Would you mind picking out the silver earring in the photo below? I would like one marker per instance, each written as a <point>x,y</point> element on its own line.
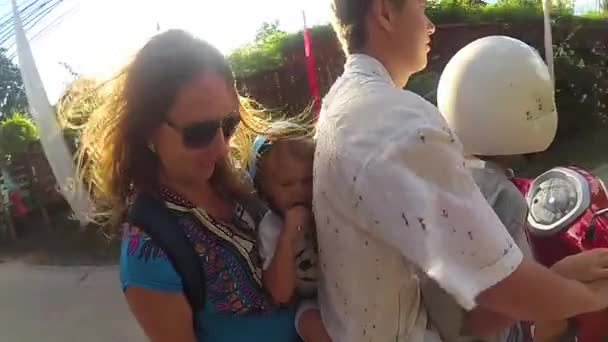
<point>151,147</point>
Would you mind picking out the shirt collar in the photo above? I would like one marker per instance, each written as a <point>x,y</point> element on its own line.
<point>367,65</point>
<point>475,163</point>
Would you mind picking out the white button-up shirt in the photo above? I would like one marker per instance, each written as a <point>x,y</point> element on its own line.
<point>392,198</point>
<point>512,210</point>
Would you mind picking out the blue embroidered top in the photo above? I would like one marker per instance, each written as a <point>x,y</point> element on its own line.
<point>237,307</point>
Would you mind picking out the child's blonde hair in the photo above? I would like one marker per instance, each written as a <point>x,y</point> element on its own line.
<point>292,132</point>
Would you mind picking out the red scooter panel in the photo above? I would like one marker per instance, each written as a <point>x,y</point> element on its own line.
<point>568,215</point>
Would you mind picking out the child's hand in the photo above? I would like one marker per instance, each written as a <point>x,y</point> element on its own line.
<point>297,219</point>
<point>585,267</point>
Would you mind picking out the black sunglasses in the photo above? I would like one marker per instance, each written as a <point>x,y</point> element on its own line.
<point>201,134</point>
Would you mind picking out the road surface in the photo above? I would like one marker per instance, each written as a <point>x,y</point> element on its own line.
<point>59,304</point>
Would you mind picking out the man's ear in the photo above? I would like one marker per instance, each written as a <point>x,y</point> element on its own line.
<point>383,13</point>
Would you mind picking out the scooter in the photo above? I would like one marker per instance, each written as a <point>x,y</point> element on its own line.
<point>568,214</point>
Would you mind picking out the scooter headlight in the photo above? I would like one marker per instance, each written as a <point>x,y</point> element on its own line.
<point>556,199</point>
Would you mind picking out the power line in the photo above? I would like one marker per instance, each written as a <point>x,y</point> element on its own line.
<point>46,29</point>
<point>7,24</point>
<point>7,19</point>
<point>20,8</point>
<point>54,23</point>
<point>25,9</point>
<point>43,9</point>
<point>31,18</point>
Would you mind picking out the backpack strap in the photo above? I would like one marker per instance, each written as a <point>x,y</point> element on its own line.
<point>150,214</point>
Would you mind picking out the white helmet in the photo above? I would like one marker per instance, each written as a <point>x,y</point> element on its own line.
<point>497,95</point>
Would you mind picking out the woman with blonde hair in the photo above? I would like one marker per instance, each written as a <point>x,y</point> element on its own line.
<point>164,135</point>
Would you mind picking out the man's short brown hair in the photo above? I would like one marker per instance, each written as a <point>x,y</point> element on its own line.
<point>349,22</point>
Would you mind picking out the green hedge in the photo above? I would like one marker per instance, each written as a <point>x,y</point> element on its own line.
<point>16,134</point>
<point>268,54</point>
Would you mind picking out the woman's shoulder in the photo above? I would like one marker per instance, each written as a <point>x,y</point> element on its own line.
<point>144,264</point>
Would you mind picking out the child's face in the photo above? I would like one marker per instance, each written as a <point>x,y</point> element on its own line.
<point>287,180</point>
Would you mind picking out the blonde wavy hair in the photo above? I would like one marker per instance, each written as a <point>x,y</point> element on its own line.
<point>272,125</point>
<point>113,158</point>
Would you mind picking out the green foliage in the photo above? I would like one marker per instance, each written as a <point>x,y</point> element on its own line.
<point>443,12</point>
<point>267,52</point>
<point>581,87</point>
<point>296,40</point>
<point>581,83</point>
<point>12,90</point>
<point>266,31</point>
<point>264,54</point>
<point>16,133</point>
<point>597,15</point>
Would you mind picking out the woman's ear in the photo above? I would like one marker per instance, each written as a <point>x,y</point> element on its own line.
<point>151,144</point>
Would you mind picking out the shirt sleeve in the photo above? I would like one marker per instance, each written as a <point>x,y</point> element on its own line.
<point>269,231</point>
<point>512,210</point>
<point>415,194</point>
<point>144,264</point>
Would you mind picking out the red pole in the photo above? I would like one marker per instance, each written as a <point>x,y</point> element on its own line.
<point>311,70</point>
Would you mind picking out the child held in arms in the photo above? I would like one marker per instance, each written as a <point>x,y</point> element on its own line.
<point>280,165</point>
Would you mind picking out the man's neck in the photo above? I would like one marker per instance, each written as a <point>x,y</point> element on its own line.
<point>397,71</point>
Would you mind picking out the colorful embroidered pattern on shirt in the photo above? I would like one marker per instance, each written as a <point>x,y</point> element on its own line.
<point>136,238</point>
<point>233,270</point>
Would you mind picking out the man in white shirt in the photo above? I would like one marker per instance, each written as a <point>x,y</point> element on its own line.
<point>392,198</point>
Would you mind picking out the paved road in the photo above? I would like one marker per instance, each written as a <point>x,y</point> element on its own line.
<point>59,304</point>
